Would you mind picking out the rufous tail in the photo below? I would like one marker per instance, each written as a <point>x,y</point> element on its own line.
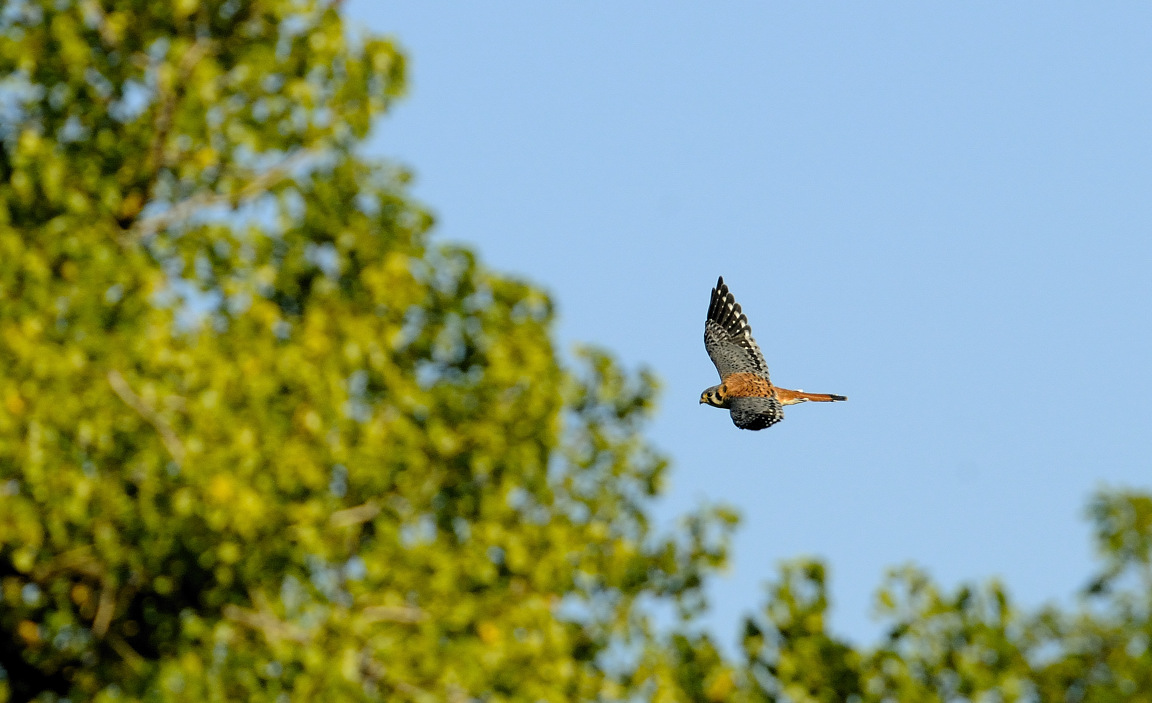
<point>788,397</point>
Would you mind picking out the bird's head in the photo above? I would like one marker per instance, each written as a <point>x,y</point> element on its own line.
<point>716,396</point>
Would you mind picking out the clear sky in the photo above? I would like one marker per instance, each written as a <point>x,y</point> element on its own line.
<point>940,210</point>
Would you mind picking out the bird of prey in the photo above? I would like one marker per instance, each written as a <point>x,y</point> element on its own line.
<point>745,388</point>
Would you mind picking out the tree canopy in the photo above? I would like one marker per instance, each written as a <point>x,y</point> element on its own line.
<point>262,438</point>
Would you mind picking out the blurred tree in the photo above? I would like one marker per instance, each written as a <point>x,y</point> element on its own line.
<point>261,440</point>
<point>971,645</point>
<point>258,436</point>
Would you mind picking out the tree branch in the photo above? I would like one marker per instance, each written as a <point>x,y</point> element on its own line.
<point>259,185</point>
<point>105,609</point>
<point>268,624</point>
<point>392,613</point>
<point>167,95</point>
<point>354,516</point>
<point>171,442</point>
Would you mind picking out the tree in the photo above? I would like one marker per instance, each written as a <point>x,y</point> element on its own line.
<point>968,645</point>
<point>261,438</point>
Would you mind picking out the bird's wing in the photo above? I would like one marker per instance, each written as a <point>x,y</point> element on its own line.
<point>728,337</point>
<point>756,413</point>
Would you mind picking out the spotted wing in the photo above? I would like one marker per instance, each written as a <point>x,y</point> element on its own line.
<point>728,337</point>
<point>756,413</point>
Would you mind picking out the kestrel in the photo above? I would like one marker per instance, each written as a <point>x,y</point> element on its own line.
<point>744,385</point>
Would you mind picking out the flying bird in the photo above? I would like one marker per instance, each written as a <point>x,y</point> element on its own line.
<point>745,388</point>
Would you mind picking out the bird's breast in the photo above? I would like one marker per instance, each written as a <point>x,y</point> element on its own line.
<point>748,385</point>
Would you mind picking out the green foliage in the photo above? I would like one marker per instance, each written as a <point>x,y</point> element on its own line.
<point>968,645</point>
<point>259,436</point>
<point>261,439</point>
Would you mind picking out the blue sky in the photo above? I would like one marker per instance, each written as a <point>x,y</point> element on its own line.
<point>942,211</point>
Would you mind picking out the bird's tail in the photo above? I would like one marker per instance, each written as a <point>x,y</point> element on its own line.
<point>788,397</point>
